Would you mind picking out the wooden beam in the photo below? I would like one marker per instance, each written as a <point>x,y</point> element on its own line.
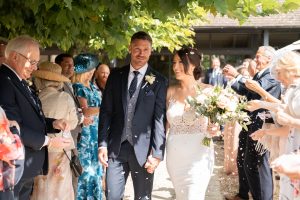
<point>228,51</point>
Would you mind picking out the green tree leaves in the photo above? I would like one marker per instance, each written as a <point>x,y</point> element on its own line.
<point>107,25</point>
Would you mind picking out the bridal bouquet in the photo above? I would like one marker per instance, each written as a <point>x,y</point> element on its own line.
<point>220,105</point>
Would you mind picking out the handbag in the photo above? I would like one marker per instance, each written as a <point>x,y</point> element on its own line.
<point>75,165</point>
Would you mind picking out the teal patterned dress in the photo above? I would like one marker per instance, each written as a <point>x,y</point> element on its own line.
<point>89,183</point>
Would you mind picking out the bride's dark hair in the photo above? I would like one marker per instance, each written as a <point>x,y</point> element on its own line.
<point>192,56</point>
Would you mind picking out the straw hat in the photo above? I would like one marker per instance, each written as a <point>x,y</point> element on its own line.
<point>85,62</point>
<point>50,71</point>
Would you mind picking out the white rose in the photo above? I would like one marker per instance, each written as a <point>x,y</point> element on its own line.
<point>200,99</point>
<point>208,91</point>
<point>231,106</point>
<point>222,101</point>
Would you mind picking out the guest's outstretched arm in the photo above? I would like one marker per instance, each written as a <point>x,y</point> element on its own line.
<point>282,132</point>
<point>256,87</point>
<point>258,104</point>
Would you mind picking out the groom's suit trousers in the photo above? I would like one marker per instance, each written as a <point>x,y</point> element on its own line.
<point>126,162</point>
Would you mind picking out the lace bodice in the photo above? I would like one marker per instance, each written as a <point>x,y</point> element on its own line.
<point>183,120</point>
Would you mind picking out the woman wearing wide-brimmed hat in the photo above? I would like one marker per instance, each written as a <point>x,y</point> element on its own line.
<point>59,105</point>
<point>89,183</point>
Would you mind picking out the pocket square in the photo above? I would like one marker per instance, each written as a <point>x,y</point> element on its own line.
<point>149,93</point>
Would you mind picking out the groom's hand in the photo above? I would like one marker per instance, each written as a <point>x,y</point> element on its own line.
<point>102,156</point>
<point>151,164</point>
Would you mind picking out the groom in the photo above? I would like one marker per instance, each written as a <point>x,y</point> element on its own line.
<point>132,120</point>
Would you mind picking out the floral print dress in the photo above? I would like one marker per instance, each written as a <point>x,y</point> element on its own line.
<point>89,183</point>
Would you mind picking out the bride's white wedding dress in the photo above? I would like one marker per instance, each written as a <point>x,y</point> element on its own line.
<point>189,162</point>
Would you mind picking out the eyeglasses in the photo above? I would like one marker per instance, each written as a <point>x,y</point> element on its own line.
<point>32,62</point>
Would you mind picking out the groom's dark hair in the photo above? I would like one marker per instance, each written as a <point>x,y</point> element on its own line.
<point>141,35</point>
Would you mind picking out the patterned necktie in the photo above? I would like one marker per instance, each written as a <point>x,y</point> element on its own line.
<point>25,84</point>
<point>133,83</point>
<point>33,97</point>
<point>256,76</point>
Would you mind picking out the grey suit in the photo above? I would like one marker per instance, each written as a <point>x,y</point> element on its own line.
<point>217,79</point>
<point>147,131</point>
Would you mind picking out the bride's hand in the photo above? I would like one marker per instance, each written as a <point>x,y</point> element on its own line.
<point>213,129</point>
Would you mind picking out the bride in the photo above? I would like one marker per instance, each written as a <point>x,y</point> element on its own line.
<point>189,162</point>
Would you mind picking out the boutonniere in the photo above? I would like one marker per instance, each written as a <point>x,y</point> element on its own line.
<point>29,83</point>
<point>149,79</point>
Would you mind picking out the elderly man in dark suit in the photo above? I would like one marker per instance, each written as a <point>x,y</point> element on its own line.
<point>214,75</point>
<point>22,105</point>
<point>132,121</point>
<point>253,168</point>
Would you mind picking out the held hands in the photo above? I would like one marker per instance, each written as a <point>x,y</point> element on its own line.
<point>102,156</point>
<point>61,124</point>
<point>151,164</point>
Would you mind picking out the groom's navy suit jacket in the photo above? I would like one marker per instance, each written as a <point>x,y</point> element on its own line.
<point>148,123</point>
<point>268,83</point>
<point>19,106</point>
